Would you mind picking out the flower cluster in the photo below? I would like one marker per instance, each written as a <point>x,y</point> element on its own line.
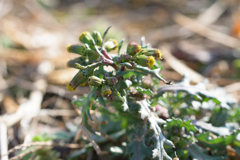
<point>123,87</point>
<point>94,54</point>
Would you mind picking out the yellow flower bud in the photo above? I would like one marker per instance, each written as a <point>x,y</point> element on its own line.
<point>86,37</point>
<point>78,49</point>
<point>133,48</point>
<point>70,88</point>
<point>146,61</point>
<point>156,53</point>
<point>111,80</point>
<point>92,55</point>
<point>95,81</point>
<point>79,79</point>
<point>97,38</point>
<point>80,60</point>
<point>111,44</point>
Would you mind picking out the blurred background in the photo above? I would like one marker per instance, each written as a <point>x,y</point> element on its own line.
<point>197,38</point>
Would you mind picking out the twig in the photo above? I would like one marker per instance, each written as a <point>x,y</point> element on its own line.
<point>208,17</point>
<point>107,137</point>
<point>140,139</point>
<point>3,140</point>
<point>56,112</point>
<point>5,7</point>
<point>77,110</point>
<point>180,67</point>
<point>95,145</point>
<point>27,109</point>
<point>211,15</point>
<point>44,144</point>
<point>20,156</point>
<point>77,136</point>
<point>232,87</point>
<point>206,32</point>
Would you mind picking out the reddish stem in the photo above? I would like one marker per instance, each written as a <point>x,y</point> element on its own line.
<point>104,52</point>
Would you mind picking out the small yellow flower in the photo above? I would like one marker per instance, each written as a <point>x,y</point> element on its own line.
<point>111,97</point>
<point>150,61</point>
<point>158,54</point>
<point>106,90</point>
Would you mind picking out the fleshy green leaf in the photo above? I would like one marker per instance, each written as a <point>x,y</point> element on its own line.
<point>154,72</point>
<point>123,84</point>
<point>198,153</point>
<point>101,101</point>
<point>66,136</point>
<point>127,64</point>
<point>178,122</point>
<point>125,105</point>
<point>120,46</point>
<point>218,143</point>
<point>144,91</point>
<point>85,104</point>
<point>200,92</point>
<point>118,94</point>
<point>128,73</point>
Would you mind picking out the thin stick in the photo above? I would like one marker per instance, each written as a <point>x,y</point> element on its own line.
<point>180,67</point>
<point>206,32</point>
<point>234,87</point>
<point>107,137</point>
<point>20,156</point>
<point>77,136</point>
<point>211,15</point>
<point>140,139</point>
<point>3,141</point>
<point>77,110</point>
<point>56,112</point>
<point>208,17</point>
<point>44,144</point>
<point>95,145</point>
